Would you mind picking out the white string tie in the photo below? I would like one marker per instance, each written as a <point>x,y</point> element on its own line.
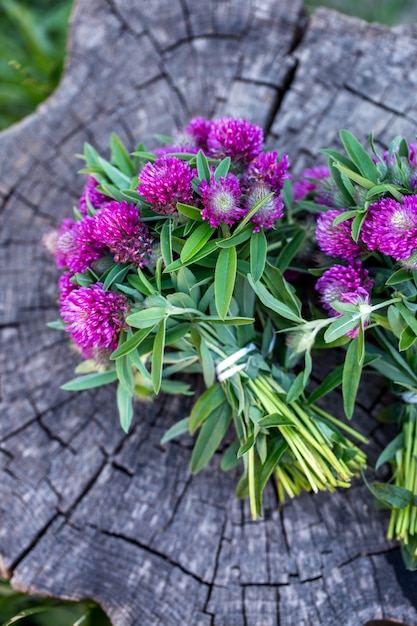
<point>224,369</point>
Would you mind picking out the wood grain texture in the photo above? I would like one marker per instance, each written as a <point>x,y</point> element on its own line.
<point>89,512</point>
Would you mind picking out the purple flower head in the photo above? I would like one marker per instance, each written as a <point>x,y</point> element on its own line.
<point>336,240</point>
<point>199,129</point>
<point>65,286</point>
<point>391,227</point>
<point>85,248</point>
<point>94,318</point>
<point>340,283</point>
<point>309,181</point>
<point>96,198</point>
<point>271,210</point>
<point>235,138</point>
<point>266,168</point>
<point>117,226</point>
<point>60,241</point>
<point>220,200</point>
<point>166,182</point>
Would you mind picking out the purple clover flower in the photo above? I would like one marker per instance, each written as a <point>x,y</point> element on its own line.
<point>391,227</point>
<point>234,138</point>
<point>340,283</point>
<point>336,240</point>
<point>117,226</point>
<point>271,210</point>
<point>94,319</point>
<point>65,286</point>
<point>266,168</point>
<point>96,198</point>
<point>309,181</point>
<point>199,129</point>
<point>220,200</point>
<point>166,182</point>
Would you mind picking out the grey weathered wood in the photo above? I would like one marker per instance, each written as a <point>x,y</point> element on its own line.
<point>88,512</point>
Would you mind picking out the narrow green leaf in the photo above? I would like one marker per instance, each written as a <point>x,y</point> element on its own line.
<point>274,420</point>
<point>400,276</point>
<point>359,156</point>
<point>388,454</point>
<point>116,274</point>
<point>166,242</point>
<point>235,240</point>
<point>196,241</point>
<point>146,318</point>
<point>258,250</point>
<point>114,174</point>
<point>391,495</point>
<point>125,407</point>
<point>297,388</point>
<point>212,398</point>
<point>120,156</point>
<point>203,166</point>
<point>222,169</point>
<point>158,356</point>
<point>125,374</point>
<point>341,326</point>
<point>189,211</point>
<point>90,380</point>
<point>230,460</point>
<point>271,302</point>
<point>210,436</point>
<point>290,250</point>
<point>352,371</point>
<point>224,280</point>
<point>249,443</point>
<point>178,429</point>
<point>407,339</point>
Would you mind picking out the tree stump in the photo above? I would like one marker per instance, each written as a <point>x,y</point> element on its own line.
<point>89,512</point>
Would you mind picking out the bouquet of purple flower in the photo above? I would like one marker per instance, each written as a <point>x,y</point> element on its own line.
<point>174,264</point>
<point>366,229</point>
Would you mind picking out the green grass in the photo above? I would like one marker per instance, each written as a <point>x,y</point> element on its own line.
<point>388,12</point>
<point>32,49</point>
<point>16,607</point>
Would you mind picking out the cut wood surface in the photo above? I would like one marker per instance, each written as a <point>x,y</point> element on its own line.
<point>87,511</point>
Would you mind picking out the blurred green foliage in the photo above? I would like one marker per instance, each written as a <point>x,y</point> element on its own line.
<point>388,12</point>
<point>33,37</point>
<point>32,49</point>
<point>36,611</point>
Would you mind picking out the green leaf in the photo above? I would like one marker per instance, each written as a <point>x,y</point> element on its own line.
<point>274,420</point>
<point>27,613</point>
<point>222,169</point>
<point>210,400</point>
<point>290,250</point>
<point>275,451</point>
<point>249,443</point>
<point>178,429</point>
<point>158,356</point>
<point>236,239</point>
<point>407,339</point>
<point>210,437</point>
<point>90,380</point>
<point>224,280</point>
<point>388,454</point>
<point>114,174</point>
<point>230,460</point>
<point>359,156</point>
<point>271,302</point>
<point>203,166</point>
<point>205,251</point>
<point>189,211</point>
<point>258,250</point>
<point>352,371</point>
<point>357,225</point>
<point>196,241</point>
<point>147,317</point>
<point>400,276</point>
<point>391,495</point>
<point>120,156</point>
<point>340,327</point>
<point>125,407</point>
<point>166,242</point>
<point>116,274</point>
<point>125,374</point>
<point>297,388</point>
